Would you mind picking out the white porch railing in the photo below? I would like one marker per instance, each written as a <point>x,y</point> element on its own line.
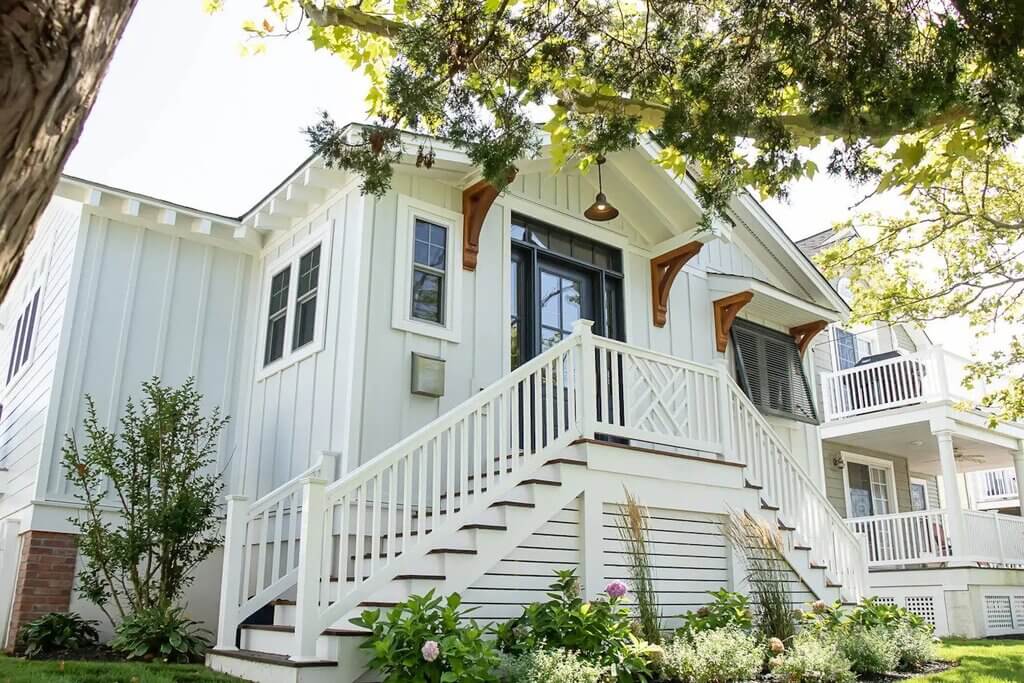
<point>357,534</point>
<point>926,537</point>
<point>994,485</point>
<point>931,375</point>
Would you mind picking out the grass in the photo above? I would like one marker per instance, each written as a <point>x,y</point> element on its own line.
<point>20,671</point>
<point>981,661</point>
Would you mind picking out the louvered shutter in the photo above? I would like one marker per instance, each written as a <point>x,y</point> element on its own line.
<point>770,371</point>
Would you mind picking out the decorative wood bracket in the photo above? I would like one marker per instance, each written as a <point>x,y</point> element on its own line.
<point>664,269</point>
<point>726,310</point>
<point>476,202</point>
<point>803,334</point>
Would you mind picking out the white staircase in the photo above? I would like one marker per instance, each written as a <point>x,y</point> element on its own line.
<point>444,505</point>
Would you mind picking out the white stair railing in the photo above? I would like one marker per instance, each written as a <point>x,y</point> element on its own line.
<point>261,542</point>
<point>803,504</point>
<point>359,528</point>
<point>353,536</point>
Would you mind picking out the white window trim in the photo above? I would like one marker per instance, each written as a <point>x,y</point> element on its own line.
<point>409,209</point>
<point>319,235</point>
<point>890,471</point>
<point>924,483</point>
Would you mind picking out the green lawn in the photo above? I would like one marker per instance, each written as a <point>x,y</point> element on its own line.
<point>981,661</point>
<point>20,671</point>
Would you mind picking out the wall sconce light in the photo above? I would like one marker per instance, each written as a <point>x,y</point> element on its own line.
<point>427,375</point>
<point>838,462</point>
<point>601,209</point>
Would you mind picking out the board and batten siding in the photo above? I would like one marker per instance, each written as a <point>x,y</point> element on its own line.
<point>385,410</point>
<point>26,399</point>
<point>149,303</point>
<point>302,408</point>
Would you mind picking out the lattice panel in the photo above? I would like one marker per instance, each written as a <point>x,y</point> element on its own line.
<point>923,606</point>
<point>885,600</point>
<point>1018,611</point>
<point>998,612</point>
<point>658,397</point>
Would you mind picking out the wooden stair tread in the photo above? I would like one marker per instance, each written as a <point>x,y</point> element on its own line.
<point>750,485</point>
<point>765,505</point>
<point>512,503</point>
<point>482,525</point>
<point>271,658</point>
<point>540,482</point>
<point>785,527</point>
<point>567,461</point>
<point>452,551</point>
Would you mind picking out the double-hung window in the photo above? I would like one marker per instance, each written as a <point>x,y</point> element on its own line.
<point>428,270</point>
<point>293,322</point>
<point>430,254</point>
<point>21,345</point>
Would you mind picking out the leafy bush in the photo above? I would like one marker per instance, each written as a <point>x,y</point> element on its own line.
<point>870,613</point>
<point>870,650</point>
<point>158,633</point>
<point>727,609</point>
<point>812,659</point>
<point>600,630</point>
<point>721,655</point>
<point>159,467</point>
<point>914,647</point>
<point>551,666</point>
<point>428,639</point>
<point>56,632</point>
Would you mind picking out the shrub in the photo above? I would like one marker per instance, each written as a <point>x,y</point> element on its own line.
<point>812,659</point>
<point>870,650</point>
<point>159,468</point>
<point>551,666</point>
<point>161,633</point>
<point>428,639</point>
<point>914,647</point>
<point>56,632</point>
<point>823,618</point>
<point>727,609</point>
<point>721,655</point>
<point>870,613</point>
<point>600,630</point>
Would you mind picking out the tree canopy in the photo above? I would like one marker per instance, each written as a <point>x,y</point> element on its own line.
<point>924,97</point>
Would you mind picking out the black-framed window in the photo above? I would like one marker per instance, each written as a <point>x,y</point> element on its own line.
<point>430,257</point>
<point>305,298</point>
<point>277,315</point>
<point>21,345</point>
<point>770,371</point>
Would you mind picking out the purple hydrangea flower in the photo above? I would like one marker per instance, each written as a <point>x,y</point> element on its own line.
<point>431,650</point>
<point>616,589</point>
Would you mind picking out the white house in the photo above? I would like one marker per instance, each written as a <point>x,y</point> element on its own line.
<point>911,461</point>
<point>444,388</point>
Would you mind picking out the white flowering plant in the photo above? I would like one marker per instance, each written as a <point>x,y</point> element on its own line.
<point>721,655</point>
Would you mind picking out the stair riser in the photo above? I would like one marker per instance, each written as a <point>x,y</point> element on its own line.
<point>259,672</point>
<point>430,564</point>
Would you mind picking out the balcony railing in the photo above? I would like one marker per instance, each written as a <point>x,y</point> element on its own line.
<point>923,377</point>
<point>926,537</point>
<point>994,485</point>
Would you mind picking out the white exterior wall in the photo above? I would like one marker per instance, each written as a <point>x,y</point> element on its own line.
<point>147,303</point>
<point>26,400</point>
<point>390,411</point>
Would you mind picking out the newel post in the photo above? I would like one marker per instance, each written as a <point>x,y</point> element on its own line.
<point>586,381</point>
<point>329,465</point>
<point>232,572</point>
<point>311,547</point>
<point>725,417</point>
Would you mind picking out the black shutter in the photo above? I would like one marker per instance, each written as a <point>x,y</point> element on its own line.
<point>770,371</point>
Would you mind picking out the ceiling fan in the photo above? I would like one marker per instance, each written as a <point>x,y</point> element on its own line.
<point>960,456</point>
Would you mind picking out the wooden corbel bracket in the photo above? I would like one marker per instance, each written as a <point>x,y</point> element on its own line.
<point>476,202</point>
<point>803,334</point>
<point>726,310</point>
<point>664,270</point>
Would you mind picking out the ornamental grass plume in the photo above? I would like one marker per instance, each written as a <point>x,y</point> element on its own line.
<point>633,530</point>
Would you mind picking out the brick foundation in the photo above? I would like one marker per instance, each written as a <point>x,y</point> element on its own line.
<point>46,576</point>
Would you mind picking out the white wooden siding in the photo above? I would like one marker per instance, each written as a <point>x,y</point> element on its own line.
<point>149,304</point>
<point>26,401</point>
<point>303,408</point>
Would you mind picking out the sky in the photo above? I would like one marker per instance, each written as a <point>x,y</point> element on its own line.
<point>184,116</point>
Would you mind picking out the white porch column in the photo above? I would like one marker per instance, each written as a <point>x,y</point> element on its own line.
<point>951,488</point>
<point>1018,469</point>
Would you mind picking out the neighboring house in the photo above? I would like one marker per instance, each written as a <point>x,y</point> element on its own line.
<point>914,470</point>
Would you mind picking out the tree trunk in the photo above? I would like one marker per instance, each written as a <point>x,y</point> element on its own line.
<point>53,55</point>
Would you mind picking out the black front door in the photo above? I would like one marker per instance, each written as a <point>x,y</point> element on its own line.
<point>557,279</point>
